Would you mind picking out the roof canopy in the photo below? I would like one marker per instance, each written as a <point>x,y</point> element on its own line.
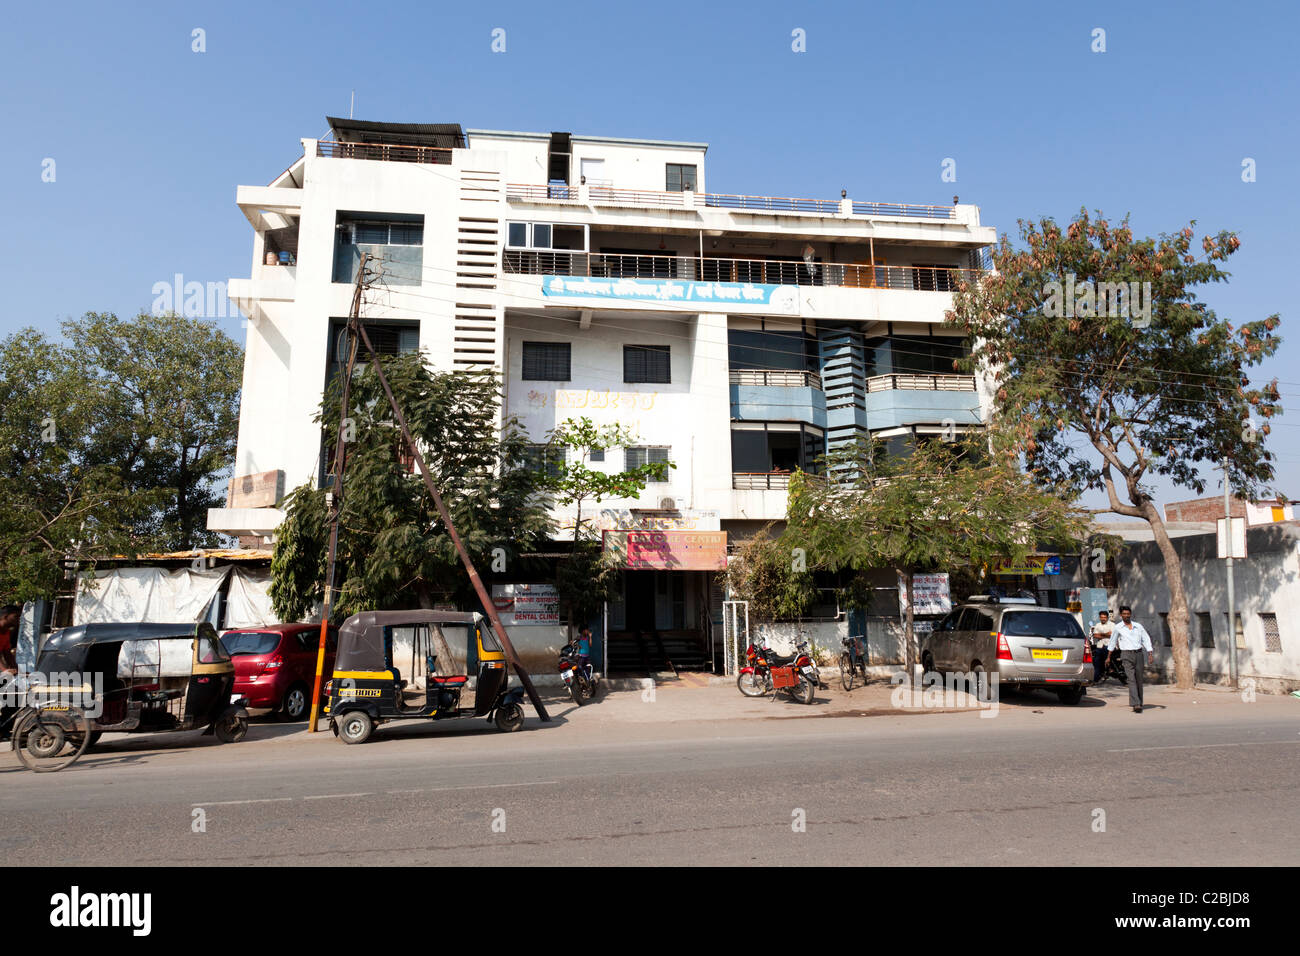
<point>444,135</point>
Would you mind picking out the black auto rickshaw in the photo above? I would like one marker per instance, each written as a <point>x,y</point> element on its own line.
<point>367,687</point>
<point>123,677</point>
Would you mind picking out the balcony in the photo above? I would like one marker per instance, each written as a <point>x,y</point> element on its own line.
<point>760,480</point>
<point>385,152</point>
<point>609,196</point>
<point>924,383</point>
<point>784,378</point>
<point>754,271</point>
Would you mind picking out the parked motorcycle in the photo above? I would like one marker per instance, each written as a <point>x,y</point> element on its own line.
<point>578,677</point>
<point>766,671</point>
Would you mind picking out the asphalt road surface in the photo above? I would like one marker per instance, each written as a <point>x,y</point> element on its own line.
<point>1176,785</point>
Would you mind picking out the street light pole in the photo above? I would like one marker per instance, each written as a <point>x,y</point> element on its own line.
<point>1232,609</point>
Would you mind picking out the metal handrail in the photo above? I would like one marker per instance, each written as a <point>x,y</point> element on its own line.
<point>755,271</point>
<point>608,195</point>
<point>385,152</point>
<point>790,378</point>
<point>908,381</point>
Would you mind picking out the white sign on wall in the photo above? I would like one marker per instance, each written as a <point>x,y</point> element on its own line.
<point>526,604</point>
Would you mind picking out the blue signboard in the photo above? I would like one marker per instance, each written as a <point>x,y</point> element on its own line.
<point>672,290</point>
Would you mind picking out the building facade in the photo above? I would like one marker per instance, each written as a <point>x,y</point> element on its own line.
<point>737,336</point>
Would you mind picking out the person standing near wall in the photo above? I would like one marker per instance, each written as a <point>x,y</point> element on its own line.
<point>1100,637</point>
<point>1133,643</point>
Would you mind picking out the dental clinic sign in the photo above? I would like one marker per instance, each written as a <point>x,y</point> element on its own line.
<point>782,297</point>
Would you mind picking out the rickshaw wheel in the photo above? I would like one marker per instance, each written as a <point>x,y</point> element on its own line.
<point>355,727</point>
<point>230,728</point>
<point>44,744</point>
<point>509,718</point>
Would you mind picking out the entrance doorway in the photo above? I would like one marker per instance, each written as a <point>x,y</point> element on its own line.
<point>656,625</point>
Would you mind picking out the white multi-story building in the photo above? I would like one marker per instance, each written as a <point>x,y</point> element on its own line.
<point>737,336</point>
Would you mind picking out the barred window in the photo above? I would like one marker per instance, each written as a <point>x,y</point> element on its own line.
<point>638,455</point>
<point>1272,636</point>
<point>547,361</point>
<point>1207,628</point>
<point>646,363</point>
<point>1240,630</point>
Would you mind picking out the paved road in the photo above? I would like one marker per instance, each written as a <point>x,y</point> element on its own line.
<point>1196,779</point>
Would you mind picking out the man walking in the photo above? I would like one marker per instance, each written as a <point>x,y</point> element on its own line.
<point>1133,643</point>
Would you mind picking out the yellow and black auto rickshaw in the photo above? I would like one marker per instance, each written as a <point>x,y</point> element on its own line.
<point>124,678</point>
<point>368,689</point>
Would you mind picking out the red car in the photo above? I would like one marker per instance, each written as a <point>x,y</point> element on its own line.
<point>274,666</point>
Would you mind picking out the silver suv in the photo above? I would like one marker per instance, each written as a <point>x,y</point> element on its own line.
<point>1024,644</point>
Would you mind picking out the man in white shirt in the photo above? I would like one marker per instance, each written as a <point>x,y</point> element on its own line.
<point>1133,643</point>
<point>1101,632</point>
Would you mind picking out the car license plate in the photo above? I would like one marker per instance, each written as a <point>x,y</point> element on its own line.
<point>808,670</point>
<point>1045,654</point>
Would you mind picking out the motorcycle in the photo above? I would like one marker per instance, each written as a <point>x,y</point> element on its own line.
<point>765,671</point>
<point>578,677</point>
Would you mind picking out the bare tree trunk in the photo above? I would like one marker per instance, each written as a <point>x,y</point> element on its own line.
<point>909,634</point>
<point>1179,619</point>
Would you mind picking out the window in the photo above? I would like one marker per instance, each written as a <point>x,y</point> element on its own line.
<point>681,178</point>
<point>771,350</point>
<point>1272,636</point>
<point>545,235</point>
<point>397,241</point>
<point>548,459</point>
<point>637,455</point>
<point>1241,632</point>
<point>1206,628</point>
<point>914,355</point>
<point>768,447</point>
<point>596,454</point>
<point>647,363</point>
<point>547,361</point>
<point>1164,627</point>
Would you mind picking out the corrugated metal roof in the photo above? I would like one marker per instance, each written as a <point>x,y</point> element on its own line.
<point>447,135</point>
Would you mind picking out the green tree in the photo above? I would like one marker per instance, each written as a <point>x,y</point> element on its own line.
<point>768,573</point>
<point>393,549</point>
<point>944,505</point>
<point>114,437</point>
<point>168,397</point>
<point>584,580</point>
<point>1104,392</point>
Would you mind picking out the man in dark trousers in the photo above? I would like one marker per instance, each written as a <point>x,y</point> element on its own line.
<point>1133,643</point>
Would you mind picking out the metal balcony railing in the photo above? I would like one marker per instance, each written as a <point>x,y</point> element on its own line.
<point>789,378</point>
<point>925,383</point>
<point>757,271</point>
<point>760,480</point>
<point>385,152</point>
<point>605,195</point>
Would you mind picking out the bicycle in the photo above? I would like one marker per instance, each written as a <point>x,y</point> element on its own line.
<point>853,661</point>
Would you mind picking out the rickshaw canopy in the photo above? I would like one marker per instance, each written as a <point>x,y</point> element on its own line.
<point>66,648</point>
<point>361,643</point>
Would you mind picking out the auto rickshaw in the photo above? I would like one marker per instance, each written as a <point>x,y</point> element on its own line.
<point>124,677</point>
<point>367,688</point>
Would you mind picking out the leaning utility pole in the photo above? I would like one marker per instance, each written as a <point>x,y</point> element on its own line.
<point>334,501</point>
<point>483,596</point>
<point>356,332</point>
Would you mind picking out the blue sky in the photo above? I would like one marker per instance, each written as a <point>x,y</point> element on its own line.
<point>150,139</point>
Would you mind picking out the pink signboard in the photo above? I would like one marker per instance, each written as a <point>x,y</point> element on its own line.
<point>668,550</point>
